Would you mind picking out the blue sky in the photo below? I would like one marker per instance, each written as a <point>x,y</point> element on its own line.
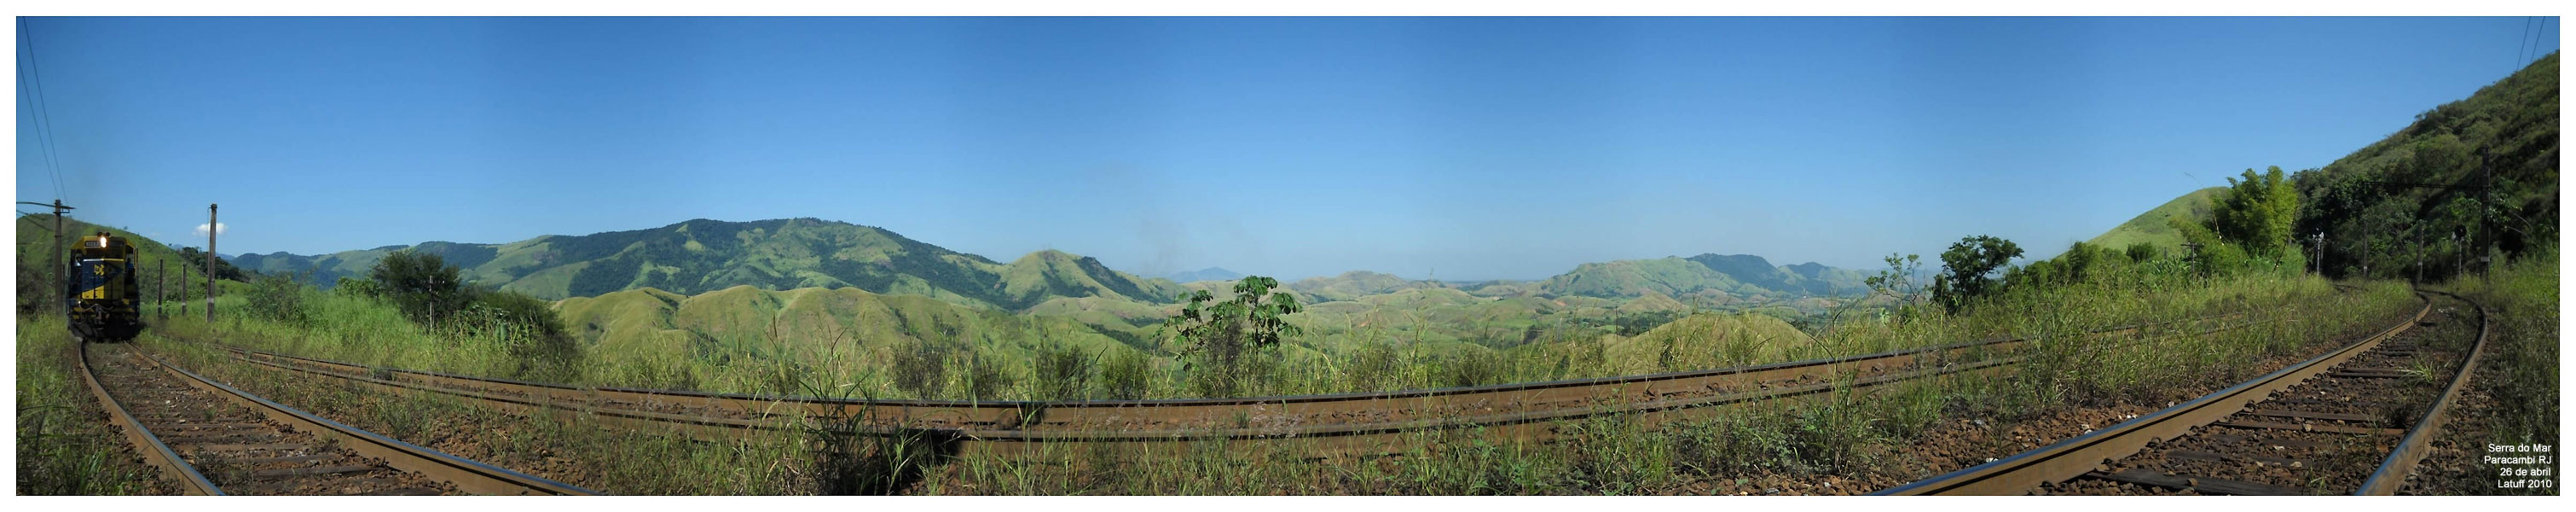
<point>1473,148</point>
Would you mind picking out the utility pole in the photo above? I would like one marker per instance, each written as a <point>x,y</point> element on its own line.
<point>2459,257</point>
<point>2320,262</point>
<point>2484,239</point>
<point>211,228</point>
<point>61,272</point>
<point>161,292</point>
<point>2486,202</point>
<point>2419,253</point>
<point>432,292</point>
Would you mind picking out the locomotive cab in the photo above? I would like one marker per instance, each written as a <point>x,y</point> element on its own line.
<point>105,303</point>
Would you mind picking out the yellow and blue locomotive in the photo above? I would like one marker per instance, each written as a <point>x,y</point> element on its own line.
<point>106,305</point>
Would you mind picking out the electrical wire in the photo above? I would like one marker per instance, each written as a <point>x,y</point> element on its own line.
<point>44,116</point>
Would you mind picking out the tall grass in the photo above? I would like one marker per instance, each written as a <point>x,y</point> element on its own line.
<point>66,444</point>
<point>2521,363</point>
<point>1844,432</point>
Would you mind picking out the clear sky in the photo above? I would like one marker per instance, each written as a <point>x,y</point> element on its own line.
<point>1476,148</point>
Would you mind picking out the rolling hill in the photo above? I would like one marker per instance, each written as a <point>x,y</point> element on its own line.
<point>1206,274</point>
<point>702,255</point>
<point>2153,227</point>
<point>1741,276</point>
<point>1352,285</point>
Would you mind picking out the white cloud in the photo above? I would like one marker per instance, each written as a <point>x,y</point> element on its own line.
<point>220,229</point>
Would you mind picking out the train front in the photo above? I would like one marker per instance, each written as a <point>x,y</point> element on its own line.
<point>105,303</point>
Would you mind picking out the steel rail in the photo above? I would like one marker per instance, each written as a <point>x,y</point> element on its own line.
<point>1313,440</point>
<point>155,452</point>
<point>2393,472</point>
<point>1047,414</point>
<point>468,475</point>
<point>2075,456</point>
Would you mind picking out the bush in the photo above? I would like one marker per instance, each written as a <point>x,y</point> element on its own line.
<point>1063,373</point>
<point>922,370</point>
<point>985,377</point>
<point>1127,375</point>
<point>278,298</point>
<point>536,334</point>
<point>423,285</point>
<point>1471,367</point>
<point>1376,367</point>
<point>2141,252</point>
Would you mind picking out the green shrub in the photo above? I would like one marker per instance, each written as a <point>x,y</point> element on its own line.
<point>1375,368</point>
<point>1471,367</point>
<point>921,370</point>
<point>279,299</point>
<point>985,376</point>
<point>423,285</point>
<point>1127,375</point>
<point>2141,252</point>
<point>1063,373</point>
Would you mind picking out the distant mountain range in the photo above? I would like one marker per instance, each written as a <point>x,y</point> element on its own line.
<point>700,256</point>
<point>1206,274</point>
<point>1738,275</point>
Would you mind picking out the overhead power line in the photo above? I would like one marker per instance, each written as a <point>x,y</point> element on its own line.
<point>44,116</point>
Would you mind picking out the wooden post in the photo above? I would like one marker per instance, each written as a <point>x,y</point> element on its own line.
<point>211,228</point>
<point>62,268</point>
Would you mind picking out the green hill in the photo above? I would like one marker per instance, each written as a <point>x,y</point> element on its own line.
<point>2154,228</point>
<point>848,327</point>
<point>1352,285</point>
<point>2433,179</point>
<point>1736,275</point>
<point>701,256</point>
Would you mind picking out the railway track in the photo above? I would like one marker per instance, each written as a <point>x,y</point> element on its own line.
<point>1320,426</point>
<point>2354,420</point>
<point>213,440</point>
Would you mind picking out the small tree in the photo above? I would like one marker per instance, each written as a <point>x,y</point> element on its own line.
<point>278,298</point>
<point>1897,282</point>
<point>1966,268</point>
<point>2257,213</point>
<point>422,285</point>
<point>1219,339</point>
<point>2141,252</point>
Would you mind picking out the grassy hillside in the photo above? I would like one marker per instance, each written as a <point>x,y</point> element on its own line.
<point>1206,274</point>
<point>655,338</point>
<point>2153,227</point>
<point>1706,340</point>
<point>700,256</point>
<point>1352,285</point>
<point>2500,143</point>
<point>1709,277</point>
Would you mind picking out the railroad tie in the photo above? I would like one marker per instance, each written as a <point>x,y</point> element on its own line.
<point>2337,416</point>
<point>2221,457</point>
<point>222,439</point>
<point>2201,484</point>
<point>405,491</point>
<point>2373,373</point>
<point>2338,429</point>
<point>248,447</point>
<point>266,460</point>
<point>304,472</point>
